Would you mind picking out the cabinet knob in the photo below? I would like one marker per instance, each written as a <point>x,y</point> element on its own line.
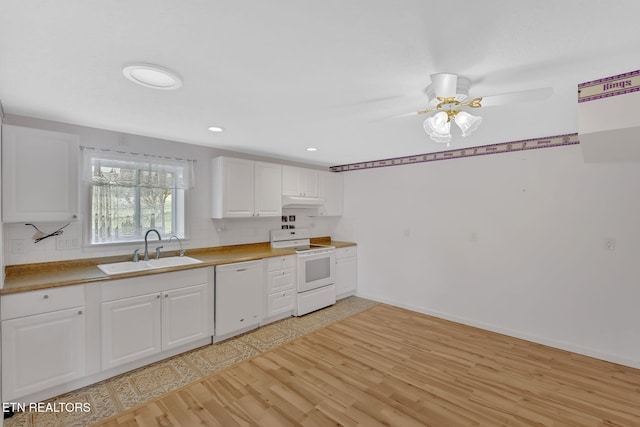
<point>166,295</point>
<point>79,312</point>
<point>45,296</point>
<point>242,320</point>
<point>258,214</point>
<point>158,296</point>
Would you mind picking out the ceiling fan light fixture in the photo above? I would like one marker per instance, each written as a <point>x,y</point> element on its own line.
<point>438,127</point>
<point>467,123</point>
<point>152,76</point>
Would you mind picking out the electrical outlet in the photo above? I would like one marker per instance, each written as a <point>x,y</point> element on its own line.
<point>65,244</point>
<point>610,244</point>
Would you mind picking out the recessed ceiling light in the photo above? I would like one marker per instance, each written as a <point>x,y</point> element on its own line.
<point>153,76</point>
<point>312,149</point>
<point>215,129</point>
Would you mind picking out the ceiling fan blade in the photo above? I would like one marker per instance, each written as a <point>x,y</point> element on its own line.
<point>532,95</point>
<point>396,116</point>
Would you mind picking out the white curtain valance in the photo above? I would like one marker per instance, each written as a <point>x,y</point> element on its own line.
<point>114,168</point>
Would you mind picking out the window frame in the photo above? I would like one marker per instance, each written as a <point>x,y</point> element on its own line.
<point>178,197</point>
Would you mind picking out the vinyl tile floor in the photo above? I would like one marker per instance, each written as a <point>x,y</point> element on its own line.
<point>125,391</point>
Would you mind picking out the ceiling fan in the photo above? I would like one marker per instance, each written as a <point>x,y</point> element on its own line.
<point>448,97</point>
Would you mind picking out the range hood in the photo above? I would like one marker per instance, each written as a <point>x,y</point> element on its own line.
<point>608,119</point>
<point>301,202</point>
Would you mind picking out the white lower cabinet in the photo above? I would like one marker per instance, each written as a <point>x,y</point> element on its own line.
<point>43,340</point>
<point>346,271</point>
<point>148,315</point>
<point>238,297</point>
<point>281,292</point>
<point>185,316</point>
<point>130,329</point>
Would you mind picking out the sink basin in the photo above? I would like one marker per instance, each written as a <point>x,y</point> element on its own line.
<point>130,267</point>
<point>173,261</point>
<point>124,267</point>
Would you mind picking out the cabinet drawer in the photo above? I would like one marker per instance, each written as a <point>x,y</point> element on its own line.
<point>349,251</point>
<point>280,302</point>
<point>281,262</point>
<point>281,280</point>
<point>42,301</point>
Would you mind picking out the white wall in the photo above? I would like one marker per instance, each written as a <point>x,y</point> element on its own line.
<point>514,243</point>
<point>202,231</point>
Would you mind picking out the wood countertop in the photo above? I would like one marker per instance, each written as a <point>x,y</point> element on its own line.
<point>31,277</point>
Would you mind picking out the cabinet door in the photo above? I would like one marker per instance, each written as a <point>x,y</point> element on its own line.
<point>291,181</point>
<point>268,189</point>
<point>130,329</point>
<point>233,187</point>
<point>346,276</point>
<point>330,190</point>
<point>42,351</point>
<point>238,296</point>
<point>39,175</point>
<point>185,316</point>
<point>309,183</point>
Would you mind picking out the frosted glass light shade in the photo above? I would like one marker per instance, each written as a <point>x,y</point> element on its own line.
<point>438,127</point>
<point>467,123</point>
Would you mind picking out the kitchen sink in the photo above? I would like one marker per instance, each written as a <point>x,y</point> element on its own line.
<point>172,261</point>
<point>131,267</point>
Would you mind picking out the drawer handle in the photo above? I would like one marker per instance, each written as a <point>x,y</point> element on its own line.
<point>79,312</point>
<point>242,269</point>
<point>242,320</point>
<point>45,296</point>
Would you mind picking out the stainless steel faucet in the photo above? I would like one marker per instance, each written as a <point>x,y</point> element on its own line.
<point>146,244</point>
<point>179,241</point>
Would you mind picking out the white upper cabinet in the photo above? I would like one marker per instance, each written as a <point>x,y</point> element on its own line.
<point>244,188</point>
<point>330,190</point>
<point>40,175</point>
<point>268,181</point>
<point>299,182</point>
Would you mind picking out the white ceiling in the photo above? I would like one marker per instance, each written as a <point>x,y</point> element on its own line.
<point>284,75</point>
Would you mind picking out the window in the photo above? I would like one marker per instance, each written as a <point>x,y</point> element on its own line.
<point>130,194</point>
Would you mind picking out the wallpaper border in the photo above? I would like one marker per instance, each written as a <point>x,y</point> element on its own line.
<point>503,147</point>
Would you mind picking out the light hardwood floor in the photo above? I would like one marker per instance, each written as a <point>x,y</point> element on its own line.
<point>389,366</point>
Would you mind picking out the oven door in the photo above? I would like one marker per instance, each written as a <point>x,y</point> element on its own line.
<point>316,269</point>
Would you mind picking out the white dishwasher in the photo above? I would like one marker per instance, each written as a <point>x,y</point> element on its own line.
<point>238,298</point>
